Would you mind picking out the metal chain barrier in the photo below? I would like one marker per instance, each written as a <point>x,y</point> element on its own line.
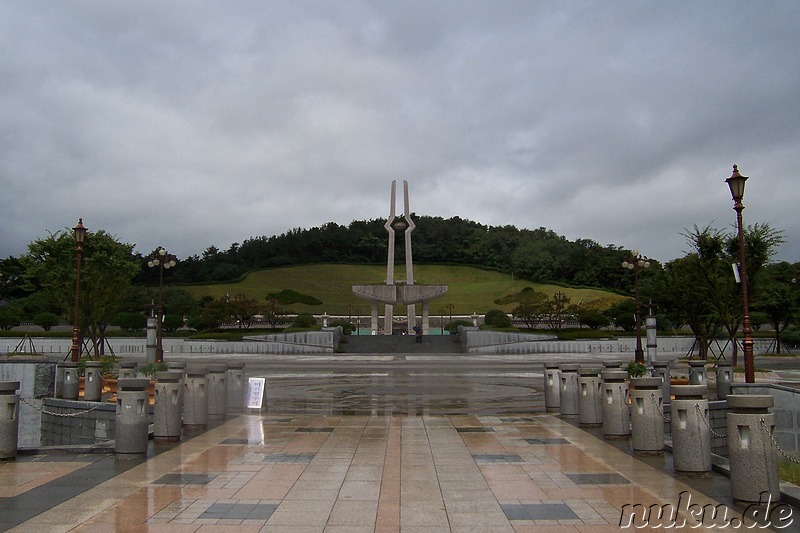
<point>73,414</point>
<point>659,410</point>
<point>775,443</point>
<point>705,421</point>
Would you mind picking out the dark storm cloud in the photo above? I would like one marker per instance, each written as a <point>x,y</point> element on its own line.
<point>190,124</point>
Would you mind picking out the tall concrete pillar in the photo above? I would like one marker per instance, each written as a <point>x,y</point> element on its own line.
<point>691,438</point>
<point>616,411</point>
<point>652,341</point>
<point>388,319</point>
<point>552,387</point>
<point>753,461</point>
<point>373,324</point>
<point>568,392</point>
<point>647,420</point>
<point>133,416</point>
<point>590,408</point>
<point>152,339</point>
<point>9,419</point>
<point>411,316</point>
<point>93,381</point>
<point>426,320</point>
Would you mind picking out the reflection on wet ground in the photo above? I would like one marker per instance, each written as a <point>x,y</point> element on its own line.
<point>440,391</point>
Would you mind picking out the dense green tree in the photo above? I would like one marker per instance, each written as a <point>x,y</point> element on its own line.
<point>130,321</point>
<point>46,320</point>
<point>497,318</point>
<point>777,298</point>
<point>531,307</point>
<point>10,317</point>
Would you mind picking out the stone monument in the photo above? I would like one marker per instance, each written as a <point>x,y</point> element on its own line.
<point>399,292</point>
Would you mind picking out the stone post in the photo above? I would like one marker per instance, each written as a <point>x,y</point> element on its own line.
<point>195,397</point>
<point>59,385</point>
<point>152,339</point>
<point>133,417</point>
<point>590,408</point>
<point>568,392</point>
<point>552,385</point>
<point>236,387</point>
<point>93,381</point>
<point>647,422</point>
<point>217,391</point>
<point>697,373</point>
<point>753,462</point>
<point>616,411</point>
<point>724,380</point>
<point>178,366</point>
<point>168,407</point>
<point>691,438</point>
<point>9,419</point>
<point>70,388</point>
<point>127,369</point>
<point>661,370</point>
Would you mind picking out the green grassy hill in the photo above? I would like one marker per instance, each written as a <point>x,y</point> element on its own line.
<point>470,289</point>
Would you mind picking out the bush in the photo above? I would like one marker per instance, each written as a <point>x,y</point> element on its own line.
<point>497,318</point>
<point>304,320</point>
<point>347,327</point>
<point>593,319</point>
<point>46,320</point>
<point>791,337</point>
<point>172,323</point>
<point>452,327</point>
<point>131,321</point>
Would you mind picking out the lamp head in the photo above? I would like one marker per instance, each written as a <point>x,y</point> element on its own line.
<point>80,231</point>
<point>736,184</point>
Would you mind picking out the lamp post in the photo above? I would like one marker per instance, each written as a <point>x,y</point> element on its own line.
<point>736,185</point>
<point>637,262</point>
<point>80,234</point>
<point>162,260</point>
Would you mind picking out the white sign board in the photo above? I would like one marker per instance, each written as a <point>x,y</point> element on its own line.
<point>255,392</point>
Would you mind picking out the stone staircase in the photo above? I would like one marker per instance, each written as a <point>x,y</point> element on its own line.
<point>378,344</point>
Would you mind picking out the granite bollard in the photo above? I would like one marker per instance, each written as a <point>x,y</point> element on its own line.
<point>127,369</point>
<point>753,461</point>
<point>568,391</point>
<point>168,407</point>
<point>552,385</point>
<point>93,381</point>
<point>697,373</point>
<point>661,370</point>
<point>235,386</point>
<point>217,391</point>
<point>9,419</point>
<point>70,388</point>
<point>590,408</point>
<point>616,411</point>
<point>647,419</point>
<point>133,416</point>
<point>195,397</point>
<point>724,380</point>
<point>691,437</point>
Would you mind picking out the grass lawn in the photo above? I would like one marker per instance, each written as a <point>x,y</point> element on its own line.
<point>469,289</point>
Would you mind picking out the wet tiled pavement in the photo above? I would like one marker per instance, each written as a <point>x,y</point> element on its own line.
<point>310,473</point>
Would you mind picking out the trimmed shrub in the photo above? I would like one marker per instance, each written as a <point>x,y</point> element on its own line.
<point>497,318</point>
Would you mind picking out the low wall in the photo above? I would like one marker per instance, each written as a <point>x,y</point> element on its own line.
<point>70,422</point>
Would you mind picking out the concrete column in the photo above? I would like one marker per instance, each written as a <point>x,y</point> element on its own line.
<point>168,407</point>
<point>9,419</point>
<point>127,369</point>
<point>411,317</point>
<point>647,422</point>
<point>388,319</point>
<point>691,438</point>
<point>133,417</point>
<point>152,339</point>
<point>616,411</point>
<point>426,318</point>
<point>373,325</point>
<point>552,387</point>
<point>724,380</point>
<point>217,391</point>
<point>753,462</point>
<point>70,388</point>
<point>661,370</point>
<point>697,373</point>
<point>93,381</point>
<point>236,387</point>
<point>195,397</point>
<point>568,391</point>
<point>590,408</point>
<point>652,341</point>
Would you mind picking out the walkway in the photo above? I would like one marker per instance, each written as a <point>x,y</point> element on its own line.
<point>309,473</point>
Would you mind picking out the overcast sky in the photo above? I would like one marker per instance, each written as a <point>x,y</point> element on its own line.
<point>192,124</point>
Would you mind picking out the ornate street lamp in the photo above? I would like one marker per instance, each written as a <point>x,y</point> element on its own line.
<point>80,234</point>
<point>736,185</point>
<point>637,262</point>
<point>162,260</point>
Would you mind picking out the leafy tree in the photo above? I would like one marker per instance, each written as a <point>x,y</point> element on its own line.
<point>304,320</point>
<point>129,321</point>
<point>777,299</point>
<point>593,319</point>
<point>243,309</point>
<point>273,313</point>
<point>107,269</point>
<point>9,317</point>
<point>172,323</point>
<point>531,307</point>
<point>497,318</point>
<point>46,320</point>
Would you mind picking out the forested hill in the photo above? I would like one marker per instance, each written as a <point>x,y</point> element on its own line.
<point>538,255</point>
